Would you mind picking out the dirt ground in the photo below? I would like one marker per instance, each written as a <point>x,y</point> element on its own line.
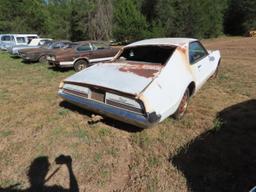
<point>211,149</point>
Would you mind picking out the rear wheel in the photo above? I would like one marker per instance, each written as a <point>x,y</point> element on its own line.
<point>183,106</point>
<point>42,59</point>
<point>80,65</point>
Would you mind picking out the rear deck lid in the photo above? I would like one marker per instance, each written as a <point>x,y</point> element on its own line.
<point>130,78</point>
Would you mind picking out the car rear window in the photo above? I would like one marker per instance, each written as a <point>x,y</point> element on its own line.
<point>85,47</point>
<point>97,46</point>
<point>149,54</point>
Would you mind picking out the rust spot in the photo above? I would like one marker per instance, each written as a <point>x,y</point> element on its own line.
<point>142,70</point>
<point>183,49</point>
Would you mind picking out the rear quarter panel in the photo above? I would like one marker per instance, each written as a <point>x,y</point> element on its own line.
<point>164,94</point>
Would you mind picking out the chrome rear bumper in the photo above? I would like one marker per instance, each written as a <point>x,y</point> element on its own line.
<point>119,114</point>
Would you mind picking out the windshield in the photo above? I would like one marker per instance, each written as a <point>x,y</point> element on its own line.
<point>58,45</point>
<point>47,44</point>
<point>149,54</point>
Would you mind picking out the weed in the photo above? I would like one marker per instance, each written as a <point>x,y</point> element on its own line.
<point>82,134</point>
<point>104,176</point>
<point>113,151</point>
<point>103,132</point>
<point>217,124</point>
<point>98,157</point>
<point>141,139</point>
<point>152,185</point>
<point>63,112</point>
<point>7,183</point>
<point>153,161</point>
<point>6,133</point>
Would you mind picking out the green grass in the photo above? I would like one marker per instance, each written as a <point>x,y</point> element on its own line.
<point>6,133</point>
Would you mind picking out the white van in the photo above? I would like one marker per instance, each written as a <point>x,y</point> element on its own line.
<point>9,40</point>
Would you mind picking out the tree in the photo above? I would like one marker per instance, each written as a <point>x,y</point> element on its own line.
<point>101,20</point>
<point>129,23</point>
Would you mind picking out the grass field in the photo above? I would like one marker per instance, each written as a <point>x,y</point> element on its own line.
<point>211,149</point>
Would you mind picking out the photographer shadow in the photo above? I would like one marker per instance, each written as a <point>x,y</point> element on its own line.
<point>37,173</point>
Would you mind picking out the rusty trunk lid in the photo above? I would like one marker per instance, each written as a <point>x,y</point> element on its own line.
<point>130,78</point>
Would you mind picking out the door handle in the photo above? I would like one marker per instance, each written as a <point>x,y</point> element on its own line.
<point>199,66</point>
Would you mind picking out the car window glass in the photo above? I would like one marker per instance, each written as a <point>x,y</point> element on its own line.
<point>21,39</point>
<point>97,46</point>
<point>65,45</point>
<point>48,45</point>
<point>56,46</point>
<point>196,52</point>
<point>85,47</point>
<point>30,38</point>
<point>6,38</point>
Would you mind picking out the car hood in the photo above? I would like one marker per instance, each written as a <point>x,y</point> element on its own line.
<point>130,78</point>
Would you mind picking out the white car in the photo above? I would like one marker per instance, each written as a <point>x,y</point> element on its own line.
<point>34,43</point>
<point>146,82</point>
<point>9,40</point>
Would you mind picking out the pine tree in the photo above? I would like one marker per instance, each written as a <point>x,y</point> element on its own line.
<point>129,23</point>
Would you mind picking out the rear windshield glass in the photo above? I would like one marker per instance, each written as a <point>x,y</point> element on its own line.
<point>149,54</point>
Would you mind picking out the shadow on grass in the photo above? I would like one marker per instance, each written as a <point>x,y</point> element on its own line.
<point>15,57</point>
<point>57,69</point>
<point>106,120</point>
<point>29,62</point>
<point>224,158</point>
<point>37,173</point>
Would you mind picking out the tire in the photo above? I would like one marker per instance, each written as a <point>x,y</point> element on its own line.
<point>80,65</point>
<point>42,59</point>
<point>182,106</point>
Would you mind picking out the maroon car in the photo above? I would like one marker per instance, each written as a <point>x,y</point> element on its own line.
<point>82,55</point>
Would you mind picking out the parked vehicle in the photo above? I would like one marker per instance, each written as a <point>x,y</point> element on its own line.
<point>146,82</point>
<point>34,43</point>
<point>82,55</point>
<point>10,40</point>
<point>40,54</point>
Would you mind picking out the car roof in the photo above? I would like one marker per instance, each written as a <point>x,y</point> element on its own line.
<point>90,41</point>
<point>163,41</point>
<point>61,41</point>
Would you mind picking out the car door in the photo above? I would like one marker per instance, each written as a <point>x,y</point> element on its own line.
<point>101,52</point>
<point>200,62</point>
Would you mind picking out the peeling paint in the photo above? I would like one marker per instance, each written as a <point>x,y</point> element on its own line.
<point>147,71</point>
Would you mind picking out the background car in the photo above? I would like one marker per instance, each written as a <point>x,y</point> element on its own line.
<point>147,81</point>
<point>9,40</point>
<point>40,54</point>
<point>82,55</point>
<point>34,43</point>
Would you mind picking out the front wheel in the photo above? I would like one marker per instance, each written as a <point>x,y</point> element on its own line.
<point>80,65</point>
<point>43,59</point>
<point>183,106</point>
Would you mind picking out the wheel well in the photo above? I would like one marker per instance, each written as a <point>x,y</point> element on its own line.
<point>82,59</point>
<point>191,88</point>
